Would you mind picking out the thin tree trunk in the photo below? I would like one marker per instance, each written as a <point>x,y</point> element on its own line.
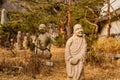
<point>109,18</point>
<point>69,19</point>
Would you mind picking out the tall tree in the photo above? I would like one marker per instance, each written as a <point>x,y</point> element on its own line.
<point>69,19</point>
<point>109,17</point>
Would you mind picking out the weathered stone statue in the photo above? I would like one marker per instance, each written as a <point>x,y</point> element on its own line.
<point>3,16</point>
<point>11,43</point>
<point>33,38</point>
<point>75,52</point>
<point>18,44</point>
<point>25,42</point>
<point>42,44</point>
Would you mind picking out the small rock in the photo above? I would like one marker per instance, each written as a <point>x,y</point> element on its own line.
<point>49,63</point>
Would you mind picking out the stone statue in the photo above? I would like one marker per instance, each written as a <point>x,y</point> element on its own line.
<point>43,42</point>
<point>11,43</point>
<point>33,38</point>
<point>75,52</point>
<point>18,44</point>
<point>25,42</point>
<point>3,16</point>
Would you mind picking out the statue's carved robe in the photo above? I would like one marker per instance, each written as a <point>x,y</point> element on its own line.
<point>75,49</point>
<point>43,45</point>
<point>18,44</point>
<point>25,43</point>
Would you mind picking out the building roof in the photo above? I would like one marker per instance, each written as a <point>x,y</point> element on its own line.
<point>114,15</point>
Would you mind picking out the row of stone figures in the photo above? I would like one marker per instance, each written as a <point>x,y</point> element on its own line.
<point>21,42</point>
<point>40,43</point>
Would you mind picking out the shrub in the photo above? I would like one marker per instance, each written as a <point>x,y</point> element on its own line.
<point>94,58</point>
<point>107,45</point>
<point>59,41</point>
<point>31,64</point>
<point>102,50</point>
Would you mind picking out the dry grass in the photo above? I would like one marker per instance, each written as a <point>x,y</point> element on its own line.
<point>58,71</point>
<point>107,45</point>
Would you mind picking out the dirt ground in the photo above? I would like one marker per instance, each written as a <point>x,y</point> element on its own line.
<point>58,71</point>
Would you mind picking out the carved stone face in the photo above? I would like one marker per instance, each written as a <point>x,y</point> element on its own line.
<point>42,28</point>
<point>25,38</point>
<point>19,32</point>
<point>11,40</point>
<point>78,30</point>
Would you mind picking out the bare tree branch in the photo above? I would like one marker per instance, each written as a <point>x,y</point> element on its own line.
<point>55,11</point>
<point>96,19</point>
<point>90,9</point>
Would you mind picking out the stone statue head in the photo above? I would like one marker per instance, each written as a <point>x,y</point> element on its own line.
<point>25,37</point>
<point>11,40</point>
<point>78,30</point>
<point>3,10</point>
<point>27,34</point>
<point>42,28</point>
<point>19,32</point>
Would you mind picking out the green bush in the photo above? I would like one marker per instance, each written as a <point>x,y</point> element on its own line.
<point>59,41</point>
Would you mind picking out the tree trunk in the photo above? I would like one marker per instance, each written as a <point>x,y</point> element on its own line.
<point>69,19</point>
<point>109,18</point>
<point>63,30</point>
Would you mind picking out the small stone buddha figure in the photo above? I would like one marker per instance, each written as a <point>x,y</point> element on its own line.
<point>25,43</point>
<point>19,41</point>
<point>43,42</point>
<point>75,52</point>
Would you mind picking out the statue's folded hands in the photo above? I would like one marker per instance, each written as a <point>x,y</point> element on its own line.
<point>74,61</point>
